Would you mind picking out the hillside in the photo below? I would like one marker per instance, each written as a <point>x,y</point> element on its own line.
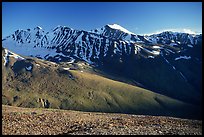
<point>31,82</point>
<point>38,121</point>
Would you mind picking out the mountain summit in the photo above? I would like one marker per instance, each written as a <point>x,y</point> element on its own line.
<point>118,27</point>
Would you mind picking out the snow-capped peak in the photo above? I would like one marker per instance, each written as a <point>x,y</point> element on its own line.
<point>39,27</point>
<point>116,26</point>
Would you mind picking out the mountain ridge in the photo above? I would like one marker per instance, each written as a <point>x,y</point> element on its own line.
<point>83,44</point>
<point>153,61</point>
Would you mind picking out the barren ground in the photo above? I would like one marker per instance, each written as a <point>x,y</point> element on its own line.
<point>35,121</point>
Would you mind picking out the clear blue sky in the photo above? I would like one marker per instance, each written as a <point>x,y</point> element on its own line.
<point>137,17</point>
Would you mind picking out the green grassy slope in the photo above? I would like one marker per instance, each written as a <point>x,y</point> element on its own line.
<point>76,90</point>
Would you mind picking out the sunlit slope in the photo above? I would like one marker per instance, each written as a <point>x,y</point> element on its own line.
<point>48,85</point>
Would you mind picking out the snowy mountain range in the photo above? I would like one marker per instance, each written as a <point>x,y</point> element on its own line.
<point>168,63</point>
<point>64,43</point>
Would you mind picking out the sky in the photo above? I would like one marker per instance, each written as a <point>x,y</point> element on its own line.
<point>137,17</point>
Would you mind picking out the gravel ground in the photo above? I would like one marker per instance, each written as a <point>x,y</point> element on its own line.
<point>33,121</point>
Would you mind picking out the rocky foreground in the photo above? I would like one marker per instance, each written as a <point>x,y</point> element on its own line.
<point>35,121</point>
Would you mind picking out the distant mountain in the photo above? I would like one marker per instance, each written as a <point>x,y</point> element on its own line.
<point>168,63</point>
<point>63,43</point>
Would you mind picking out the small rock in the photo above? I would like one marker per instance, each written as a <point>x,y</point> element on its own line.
<point>160,132</point>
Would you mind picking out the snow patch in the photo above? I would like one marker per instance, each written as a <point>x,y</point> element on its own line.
<point>156,47</point>
<point>29,68</point>
<point>72,61</point>
<point>39,27</point>
<point>66,68</point>
<point>183,57</point>
<point>155,52</point>
<point>183,76</point>
<point>106,47</point>
<point>11,54</point>
<point>168,50</point>
<point>172,44</point>
<point>151,57</point>
<point>6,57</point>
<point>152,52</point>
<point>190,46</point>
